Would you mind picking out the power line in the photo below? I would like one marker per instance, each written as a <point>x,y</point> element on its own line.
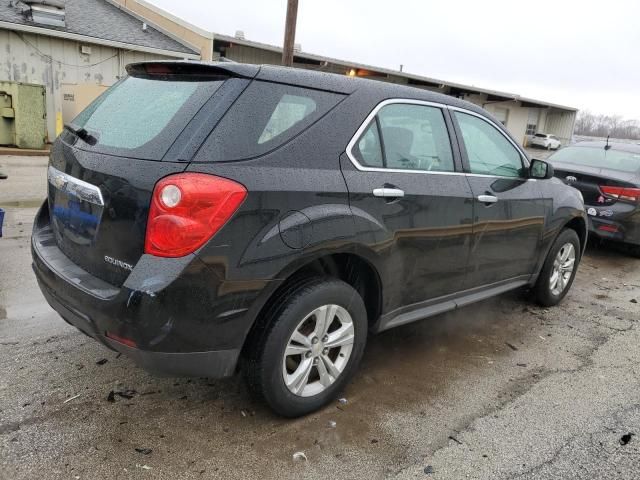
<point>51,59</point>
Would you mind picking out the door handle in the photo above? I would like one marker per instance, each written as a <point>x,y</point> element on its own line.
<point>388,192</point>
<point>487,199</point>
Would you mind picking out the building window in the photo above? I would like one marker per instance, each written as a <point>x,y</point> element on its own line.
<point>532,122</point>
<point>501,114</point>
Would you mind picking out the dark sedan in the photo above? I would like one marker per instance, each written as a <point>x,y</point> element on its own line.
<point>608,175</point>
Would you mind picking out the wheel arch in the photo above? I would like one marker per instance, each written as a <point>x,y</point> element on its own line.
<point>576,223</point>
<point>579,225</point>
<point>350,267</point>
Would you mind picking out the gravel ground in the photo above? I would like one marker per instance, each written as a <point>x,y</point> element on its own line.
<point>499,390</point>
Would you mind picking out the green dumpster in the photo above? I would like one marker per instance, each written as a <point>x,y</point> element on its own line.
<point>23,121</point>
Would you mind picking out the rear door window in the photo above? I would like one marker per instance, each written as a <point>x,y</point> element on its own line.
<point>142,117</point>
<point>266,116</point>
<point>414,137</point>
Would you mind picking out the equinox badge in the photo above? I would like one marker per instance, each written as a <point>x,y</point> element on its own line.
<point>118,263</point>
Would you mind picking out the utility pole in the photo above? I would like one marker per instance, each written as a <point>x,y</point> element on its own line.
<point>290,32</point>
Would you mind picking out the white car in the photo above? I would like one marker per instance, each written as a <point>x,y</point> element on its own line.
<point>545,140</point>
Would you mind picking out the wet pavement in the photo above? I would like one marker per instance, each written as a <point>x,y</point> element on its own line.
<point>501,389</point>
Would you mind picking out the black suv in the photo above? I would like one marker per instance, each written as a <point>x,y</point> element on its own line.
<point>205,217</point>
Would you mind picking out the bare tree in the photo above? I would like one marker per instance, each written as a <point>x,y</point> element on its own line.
<point>603,125</point>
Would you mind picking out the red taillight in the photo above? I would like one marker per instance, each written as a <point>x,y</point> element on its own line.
<point>188,209</point>
<point>608,228</point>
<point>622,193</point>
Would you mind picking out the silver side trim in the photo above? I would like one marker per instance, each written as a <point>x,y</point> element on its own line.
<point>408,101</point>
<point>74,186</point>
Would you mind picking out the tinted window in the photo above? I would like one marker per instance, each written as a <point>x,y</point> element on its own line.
<point>541,135</point>
<point>141,117</point>
<point>368,150</point>
<point>266,116</point>
<point>489,152</point>
<point>599,157</point>
<point>414,137</point>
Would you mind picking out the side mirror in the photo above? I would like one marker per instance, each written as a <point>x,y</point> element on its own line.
<point>540,169</point>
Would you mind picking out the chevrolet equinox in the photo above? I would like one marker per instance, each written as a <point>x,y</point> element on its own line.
<point>204,218</point>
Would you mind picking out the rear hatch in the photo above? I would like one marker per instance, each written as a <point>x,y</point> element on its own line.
<point>105,164</point>
<point>603,177</point>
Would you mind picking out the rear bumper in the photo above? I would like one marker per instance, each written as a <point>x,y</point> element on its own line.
<point>171,316</point>
<point>616,223</point>
<point>213,364</point>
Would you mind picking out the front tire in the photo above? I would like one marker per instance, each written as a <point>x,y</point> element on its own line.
<point>310,348</point>
<point>559,269</point>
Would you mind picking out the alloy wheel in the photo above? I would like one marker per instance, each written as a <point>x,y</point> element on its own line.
<point>563,266</point>
<point>318,350</point>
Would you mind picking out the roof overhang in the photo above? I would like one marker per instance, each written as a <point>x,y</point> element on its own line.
<point>126,7</point>
<point>527,102</point>
<point>95,40</point>
<point>184,24</point>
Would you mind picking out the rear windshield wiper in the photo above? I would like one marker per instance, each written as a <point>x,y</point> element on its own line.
<point>82,133</point>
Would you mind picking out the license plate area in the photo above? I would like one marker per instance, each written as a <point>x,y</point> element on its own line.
<point>76,208</point>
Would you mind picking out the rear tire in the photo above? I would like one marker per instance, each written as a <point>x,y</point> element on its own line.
<point>299,324</point>
<point>555,279</point>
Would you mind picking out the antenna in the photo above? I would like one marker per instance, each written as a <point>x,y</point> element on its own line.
<point>607,146</point>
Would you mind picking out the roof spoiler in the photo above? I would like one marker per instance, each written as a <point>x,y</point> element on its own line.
<point>198,69</point>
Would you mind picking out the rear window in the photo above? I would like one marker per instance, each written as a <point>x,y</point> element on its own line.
<point>266,116</point>
<point>142,117</point>
<point>598,157</point>
<point>541,135</point>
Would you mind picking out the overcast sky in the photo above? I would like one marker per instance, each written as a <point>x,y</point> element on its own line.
<point>584,54</point>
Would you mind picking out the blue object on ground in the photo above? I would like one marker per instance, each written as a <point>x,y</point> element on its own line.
<point>1,220</point>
